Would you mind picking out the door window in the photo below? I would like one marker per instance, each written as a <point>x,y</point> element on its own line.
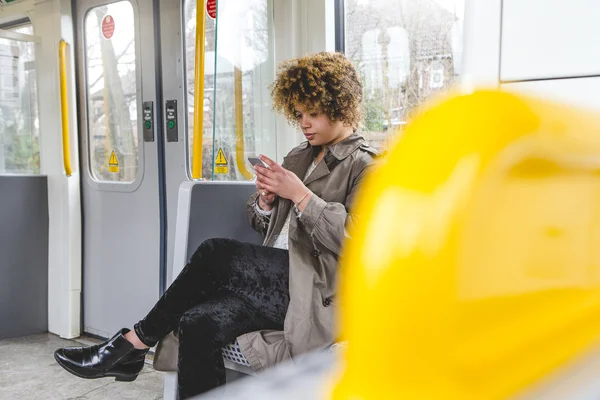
<point>239,66</point>
<point>111,93</point>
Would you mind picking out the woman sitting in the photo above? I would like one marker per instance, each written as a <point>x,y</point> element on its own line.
<point>275,299</point>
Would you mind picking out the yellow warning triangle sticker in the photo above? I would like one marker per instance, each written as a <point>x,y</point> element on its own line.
<point>113,163</point>
<point>113,159</point>
<point>221,159</point>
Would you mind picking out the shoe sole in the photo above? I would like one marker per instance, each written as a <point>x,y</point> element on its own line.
<point>118,378</point>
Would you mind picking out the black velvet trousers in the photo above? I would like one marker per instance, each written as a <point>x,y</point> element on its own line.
<point>228,288</point>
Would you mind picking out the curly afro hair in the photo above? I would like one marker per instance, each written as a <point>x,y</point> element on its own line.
<point>324,82</point>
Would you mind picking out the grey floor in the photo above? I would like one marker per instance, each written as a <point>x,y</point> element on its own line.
<point>28,372</point>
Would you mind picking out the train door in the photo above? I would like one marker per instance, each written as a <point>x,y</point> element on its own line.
<point>125,220</point>
<point>239,64</point>
<point>136,95</point>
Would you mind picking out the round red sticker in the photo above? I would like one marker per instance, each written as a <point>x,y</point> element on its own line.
<point>211,8</point>
<point>108,27</point>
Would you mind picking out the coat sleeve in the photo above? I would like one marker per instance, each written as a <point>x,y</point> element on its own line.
<point>258,222</point>
<point>328,223</point>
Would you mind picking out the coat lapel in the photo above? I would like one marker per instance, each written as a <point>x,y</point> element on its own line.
<point>321,170</point>
<point>298,163</point>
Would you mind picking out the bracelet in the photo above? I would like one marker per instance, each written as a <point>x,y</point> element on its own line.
<point>303,197</point>
<point>296,209</point>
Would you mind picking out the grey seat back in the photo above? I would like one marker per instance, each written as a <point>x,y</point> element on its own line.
<point>23,255</point>
<point>208,210</point>
<point>218,210</point>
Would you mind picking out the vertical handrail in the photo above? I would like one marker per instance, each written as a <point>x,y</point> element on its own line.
<point>199,90</point>
<point>64,107</point>
<point>239,125</point>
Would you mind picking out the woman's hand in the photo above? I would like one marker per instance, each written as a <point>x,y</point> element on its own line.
<point>279,180</point>
<point>266,198</point>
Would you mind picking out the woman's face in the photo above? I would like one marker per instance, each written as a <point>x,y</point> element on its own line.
<point>318,129</point>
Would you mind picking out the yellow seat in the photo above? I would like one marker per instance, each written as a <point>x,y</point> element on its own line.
<point>475,269</point>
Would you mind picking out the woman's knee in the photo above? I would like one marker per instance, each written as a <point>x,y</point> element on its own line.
<point>214,248</point>
<point>205,248</point>
<point>198,326</point>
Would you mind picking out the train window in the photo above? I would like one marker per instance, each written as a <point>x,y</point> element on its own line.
<point>19,120</point>
<point>111,90</point>
<point>239,66</point>
<point>405,51</point>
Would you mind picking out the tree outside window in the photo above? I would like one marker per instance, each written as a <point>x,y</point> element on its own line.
<point>19,119</point>
<point>405,51</point>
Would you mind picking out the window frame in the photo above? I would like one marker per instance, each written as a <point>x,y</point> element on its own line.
<point>340,26</point>
<point>14,24</point>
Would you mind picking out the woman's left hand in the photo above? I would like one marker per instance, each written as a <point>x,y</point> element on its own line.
<point>279,180</point>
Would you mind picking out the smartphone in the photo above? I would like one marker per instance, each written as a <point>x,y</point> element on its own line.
<point>257,161</point>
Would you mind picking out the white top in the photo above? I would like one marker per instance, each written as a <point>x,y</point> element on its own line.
<point>281,241</point>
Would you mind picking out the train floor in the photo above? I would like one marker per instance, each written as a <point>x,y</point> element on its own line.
<point>28,372</point>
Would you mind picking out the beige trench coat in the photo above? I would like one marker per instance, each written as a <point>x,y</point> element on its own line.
<point>315,241</point>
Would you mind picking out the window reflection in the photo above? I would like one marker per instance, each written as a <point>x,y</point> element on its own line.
<point>238,55</point>
<point>19,118</point>
<point>405,51</point>
<point>111,79</point>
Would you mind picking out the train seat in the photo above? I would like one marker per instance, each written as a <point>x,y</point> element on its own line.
<point>206,210</point>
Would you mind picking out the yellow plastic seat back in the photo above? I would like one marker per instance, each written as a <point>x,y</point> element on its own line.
<point>475,269</point>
